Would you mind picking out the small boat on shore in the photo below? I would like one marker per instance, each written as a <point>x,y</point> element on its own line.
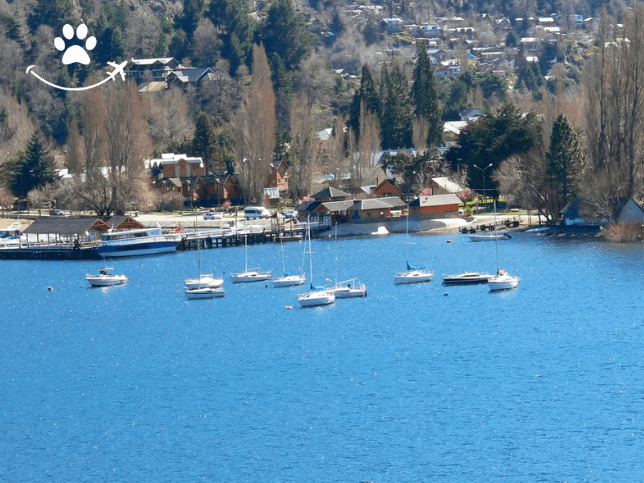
<point>467,278</point>
<point>477,237</point>
<point>106,278</point>
<point>380,231</point>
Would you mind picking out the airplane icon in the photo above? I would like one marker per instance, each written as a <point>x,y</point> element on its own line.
<point>118,69</point>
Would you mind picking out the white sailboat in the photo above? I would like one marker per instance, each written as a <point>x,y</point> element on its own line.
<point>318,295</point>
<point>502,280</point>
<point>205,286</point>
<point>349,288</point>
<point>249,275</point>
<point>289,279</point>
<point>414,273</point>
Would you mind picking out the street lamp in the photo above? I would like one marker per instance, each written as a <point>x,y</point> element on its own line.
<point>482,170</point>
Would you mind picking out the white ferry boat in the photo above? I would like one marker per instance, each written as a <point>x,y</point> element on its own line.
<point>146,241</point>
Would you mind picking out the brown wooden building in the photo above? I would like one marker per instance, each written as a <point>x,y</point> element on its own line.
<point>435,205</point>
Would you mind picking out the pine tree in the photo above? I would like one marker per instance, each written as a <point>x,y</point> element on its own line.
<point>54,13</point>
<point>236,31</point>
<point>34,168</point>
<point>397,110</point>
<point>368,94</point>
<point>204,142</point>
<point>565,159</point>
<point>425,97</point>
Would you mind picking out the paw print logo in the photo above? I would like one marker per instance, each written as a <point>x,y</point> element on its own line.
<point>75,53</point>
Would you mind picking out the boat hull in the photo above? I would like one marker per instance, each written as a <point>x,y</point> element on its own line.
<point>204,293</point>
<point>413,276</point>
<point>137,249</point>
<point>503,282</point>
<point>316,299</point>
<point>99,281</point>
<point>489,237</point>
<point>248,277</point>
<point>288,281</point>
<point>473,278</point>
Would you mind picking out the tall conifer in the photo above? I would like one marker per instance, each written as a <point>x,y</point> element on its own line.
<point>425,97</point>
<point>397,110</point>
<point>366,92</point>
<point>565,159</point>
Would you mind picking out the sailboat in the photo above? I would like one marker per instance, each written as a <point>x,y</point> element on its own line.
<point>502,280</point>
<point>319,295</point>
<point>414,273</point>
<point>289,280</point>
<point>349,288</point>
<point>205,286</point>
<point>252,275</point>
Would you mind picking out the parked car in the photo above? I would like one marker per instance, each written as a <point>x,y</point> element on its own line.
<point>251,212</point>
<point>57,212</point>
<point>212,216</point>
<point>289,213</point>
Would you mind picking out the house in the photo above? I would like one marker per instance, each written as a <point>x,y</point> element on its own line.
<point>630,212</point>
<point>331,194</point>
<point>471,113</point>
<point>153,69</point>
<point>443,205</point>
<point>371,209</point>
<point>392,25</point>
<point>190,75</point>
<point>278,176</point>
<point>171,165</point>
<point>123,222</point>
<point>452,131</point>
<point>336,210</point>
<point>578,213</point>
<point>445,186</point>
<point>271,197</point>
<point>386,188</point>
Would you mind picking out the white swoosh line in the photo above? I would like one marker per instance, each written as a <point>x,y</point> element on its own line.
<point>109,77</point>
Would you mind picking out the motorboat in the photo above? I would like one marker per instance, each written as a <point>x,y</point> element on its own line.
<point>414,274</point>
<point>106,278</point>
<point>349,288</point>
<point>204,293</point>
<point>380,231</point>
<point>467,278</point>
<point>503,281</point>
<point>477,237</point>
<point>12,237</point>
<point>146,241</point>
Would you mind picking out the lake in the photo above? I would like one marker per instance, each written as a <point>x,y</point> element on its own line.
<point>413,383</point>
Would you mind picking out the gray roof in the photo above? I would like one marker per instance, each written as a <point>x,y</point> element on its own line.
<point>62,225</point>
<point>330,193</point>
<point>335,206</point>
<point>372,204</point>
<point>436,200</point>
<point>394,201</point>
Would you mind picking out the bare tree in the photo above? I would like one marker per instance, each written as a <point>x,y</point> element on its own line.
<point>256,129</point>
<point>17,127</point>
<point>75,156</point>
<point>168,118</point>
<point>615,112</point>
<point>6,199</point>
<point>205,44</point>
<point>301,147</point>
<point>316,80</point>
<point>364,165</point>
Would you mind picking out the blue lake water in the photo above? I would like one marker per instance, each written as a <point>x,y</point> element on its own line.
<point>418,383</point>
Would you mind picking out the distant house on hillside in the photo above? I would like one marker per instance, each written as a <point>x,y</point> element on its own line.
<point>190,75</point>
<point>159,69</point>
<point>171,165</point>
<point>445,186</point>
<point>630,212</point>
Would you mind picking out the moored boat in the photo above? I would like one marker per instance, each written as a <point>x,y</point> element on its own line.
<point>467,278</point>
<point>146,241</point>
<point>414,274</point>
<point>476,237</point>
<point>204,280</point>
<point>503,281</point>
<point>106,278</point>
<point>349,289</point>
<point>204,293</point>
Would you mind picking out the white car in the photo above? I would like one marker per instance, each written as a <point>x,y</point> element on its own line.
<point>212,216</point>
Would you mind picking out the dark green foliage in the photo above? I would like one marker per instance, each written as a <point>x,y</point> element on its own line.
<point>456,101</point>
<point>397,112</point>
<point>368,94</point>
<point>371,32</point>
<point>32,168</point>
<point>179,45</point>
<point>565,160</point>
<point>284,35</point>
<point>425,98</point>
<point>12,28</point>
<point>237,30</point>
<point>490,83</point>
<point>530,77</point>
<point>491,140</point>
<point>204,142</point>
<point>54,13</point>
<point>337,25</point>
<point>193,12</point>
<point>110,31</point>
<point>511,39</point>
